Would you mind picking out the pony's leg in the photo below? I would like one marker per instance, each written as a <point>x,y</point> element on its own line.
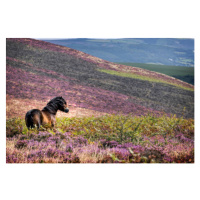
<point>53,126</point>
<point>53,121</point>
<point>38,120</point>
<point>38,125</point>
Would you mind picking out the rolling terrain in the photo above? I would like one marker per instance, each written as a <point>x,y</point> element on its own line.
<point>185,74</point>
<point>39,71</point>
<point>117,113</point>
<point>165,51</point>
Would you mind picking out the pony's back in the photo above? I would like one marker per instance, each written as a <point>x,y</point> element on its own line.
<point>33,118</point>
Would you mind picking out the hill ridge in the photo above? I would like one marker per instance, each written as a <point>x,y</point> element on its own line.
<point>168,51</point>
<point>102,63</point>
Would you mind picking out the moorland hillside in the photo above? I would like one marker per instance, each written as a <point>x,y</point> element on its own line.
<point>117,113</point>
<point>38,71</point>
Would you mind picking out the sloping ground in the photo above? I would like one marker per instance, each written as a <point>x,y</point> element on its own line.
<point>38,89</point>
<point>39,71</point>
<point>17,107</point>
<point>99,62</point>
<point>169,51</point>
<point>183,73</point>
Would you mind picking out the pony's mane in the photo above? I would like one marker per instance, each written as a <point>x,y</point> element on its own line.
<point>53,105</point>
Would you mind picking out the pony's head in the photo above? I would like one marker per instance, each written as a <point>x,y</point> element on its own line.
<point>60,103</point>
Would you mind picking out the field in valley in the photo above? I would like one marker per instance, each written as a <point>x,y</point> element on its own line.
<point>185,74</point>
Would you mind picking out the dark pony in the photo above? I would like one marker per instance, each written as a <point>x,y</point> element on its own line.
<point>47,115</point>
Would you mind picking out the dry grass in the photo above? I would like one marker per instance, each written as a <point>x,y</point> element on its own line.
<point>16,107</point>
<point>90,154</point>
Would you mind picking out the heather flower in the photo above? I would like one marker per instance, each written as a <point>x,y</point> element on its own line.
<point>43,135</point>
<point>106,143</point>
<point>69,148</point>
<point>23,137</point>
<point>74,159</point>
<point>32,155</point>
<point>51,152</point>
<point>79,141</point>
<point>167,159</point>
<point>138,149</point>
<point>106,159</point>
<point>21,144</point>
<point>182,138</point>
<point>126,145</point>
<point>40,153</point>
<point>121,153</point>
<point>33,144</point>
<point>11,159</point>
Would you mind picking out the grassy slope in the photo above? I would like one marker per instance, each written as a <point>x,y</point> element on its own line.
<point>81,72</point>
<point>183,73</point>
<point>145,78</point>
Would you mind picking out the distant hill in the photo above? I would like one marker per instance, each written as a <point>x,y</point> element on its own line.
<point>166,51</point>
<point>37,71</point>
<point>180,72</point>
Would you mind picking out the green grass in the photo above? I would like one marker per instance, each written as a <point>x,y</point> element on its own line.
<point>123,128</point>
<point>145,78</point>
<point>119,128</point>
<point>183,73</point>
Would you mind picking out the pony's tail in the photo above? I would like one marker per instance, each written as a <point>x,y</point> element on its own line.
<point>29,120</point>
<point>33,118</point>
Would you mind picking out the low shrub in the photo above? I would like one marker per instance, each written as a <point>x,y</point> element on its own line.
<point>106,139</point>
